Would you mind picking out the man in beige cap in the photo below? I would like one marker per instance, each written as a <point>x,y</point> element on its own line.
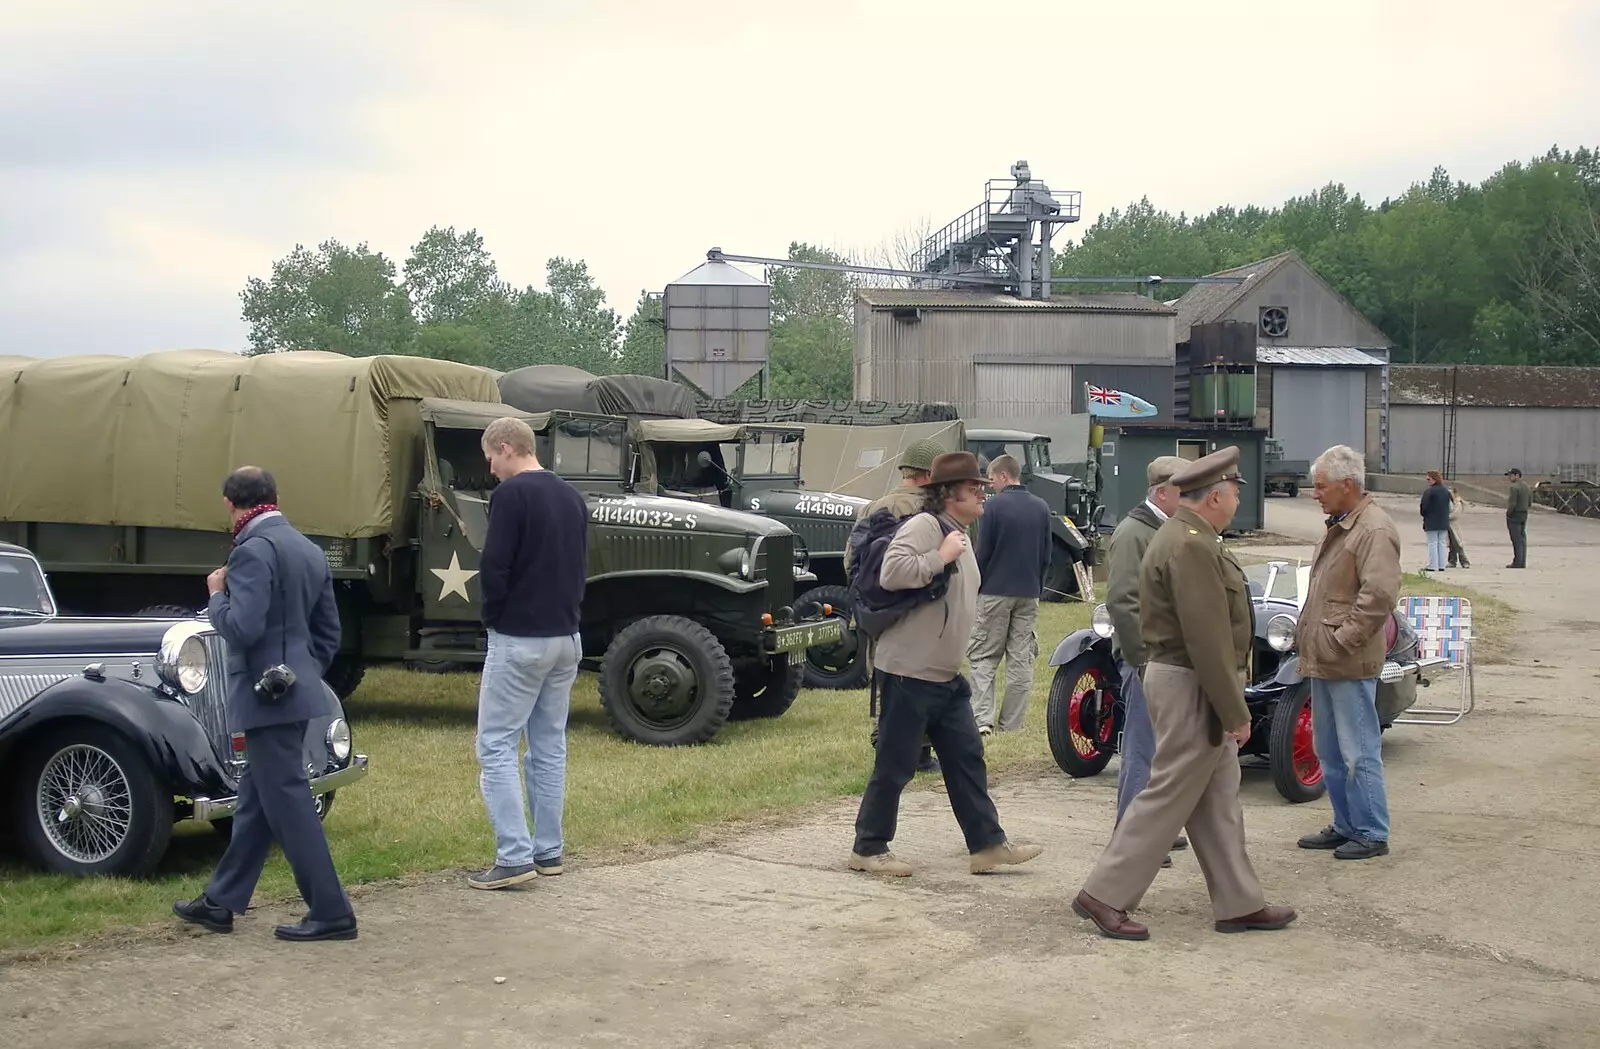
<point>1196,624</point>
<point>1128,544</point>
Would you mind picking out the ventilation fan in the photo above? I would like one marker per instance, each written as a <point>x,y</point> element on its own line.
<point>1274,322</point>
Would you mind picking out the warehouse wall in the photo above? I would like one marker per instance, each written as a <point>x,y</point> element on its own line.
<point>1492,440</point>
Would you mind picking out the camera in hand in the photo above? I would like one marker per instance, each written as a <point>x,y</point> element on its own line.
<point>275,683</point>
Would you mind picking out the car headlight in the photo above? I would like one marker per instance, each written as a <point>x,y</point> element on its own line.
<point>339,739</point>
<point>1100,621</point>
<point>1280,632</point>
<point>182,661</point>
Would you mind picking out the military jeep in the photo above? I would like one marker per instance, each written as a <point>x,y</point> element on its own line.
<point>1071,502</point>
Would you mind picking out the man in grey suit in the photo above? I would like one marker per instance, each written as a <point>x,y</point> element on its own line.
<point>274,604</point>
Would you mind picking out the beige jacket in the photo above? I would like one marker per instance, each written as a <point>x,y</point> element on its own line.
<point>931,641</point>
<point>1355,583</point>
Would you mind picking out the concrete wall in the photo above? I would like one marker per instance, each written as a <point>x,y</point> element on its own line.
<point>1492,440</point>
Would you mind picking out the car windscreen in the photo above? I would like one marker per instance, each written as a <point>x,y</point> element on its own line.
<point>22,587</point>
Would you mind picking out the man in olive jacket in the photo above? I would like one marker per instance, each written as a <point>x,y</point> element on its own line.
<point>1518,502</point>
<point>1196,623</point>
<point>1128,544</point>
<point>1355,582</point>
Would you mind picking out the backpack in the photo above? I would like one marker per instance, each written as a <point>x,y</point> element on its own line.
<point>874,608</point>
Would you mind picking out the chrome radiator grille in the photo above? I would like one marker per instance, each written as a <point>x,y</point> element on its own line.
<point>211,705</point>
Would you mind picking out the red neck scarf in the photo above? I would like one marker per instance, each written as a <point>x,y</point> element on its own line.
<point>250,515</point>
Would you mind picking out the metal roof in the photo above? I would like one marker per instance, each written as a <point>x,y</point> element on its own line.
<point>1320,356</point>
<point>1496,385</point>
<point>934,298</point>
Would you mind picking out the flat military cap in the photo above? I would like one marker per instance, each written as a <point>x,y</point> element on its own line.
<point>1162,468</point>
<point>919,455</point>
<point>1220,465</point>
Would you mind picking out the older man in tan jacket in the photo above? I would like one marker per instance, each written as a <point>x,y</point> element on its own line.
<point>1355,582</point>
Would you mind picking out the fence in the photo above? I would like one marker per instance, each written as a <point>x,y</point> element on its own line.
<point>1581,499</point>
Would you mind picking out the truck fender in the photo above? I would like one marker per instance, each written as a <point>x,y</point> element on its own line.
<point>1076,644</point>
<point>1060,533</point>
<point>163,729</point>
<point>1288,672</point>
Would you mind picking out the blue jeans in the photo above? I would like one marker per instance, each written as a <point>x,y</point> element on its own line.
<point>1345,732</point>
<point>526,689</point>
<point>1438,545</point>
<point>1138,744</point>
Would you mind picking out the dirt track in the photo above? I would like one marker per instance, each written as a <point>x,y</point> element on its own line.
<point>1479,929</point>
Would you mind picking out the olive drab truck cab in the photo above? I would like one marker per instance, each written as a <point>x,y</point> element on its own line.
<point>1071,504</point>
<point>387,490</point>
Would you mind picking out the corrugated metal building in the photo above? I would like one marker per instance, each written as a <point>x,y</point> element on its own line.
<point>1320,364</point>
<point>1010,362</point>
<point>1543,420</point>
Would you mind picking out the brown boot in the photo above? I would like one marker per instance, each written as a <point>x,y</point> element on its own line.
<point>1268,917</point>
<point>1110,921</point>
<point>1003,853</point>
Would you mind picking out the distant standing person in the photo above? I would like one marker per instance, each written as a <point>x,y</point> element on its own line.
<point>1435,509</point>
<point>274,605</point>
<point>1518,502</point>
<point>918,660</point>
<point>1458,551</point>
<point>1355,583</point>
<point>533,570</point>
<point>1128,544</point>
<point>1013,556</point>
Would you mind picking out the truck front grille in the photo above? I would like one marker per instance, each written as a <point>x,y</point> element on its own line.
<point>777,552</point>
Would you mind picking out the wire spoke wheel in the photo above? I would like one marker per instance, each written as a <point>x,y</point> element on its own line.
<point>85,803</point>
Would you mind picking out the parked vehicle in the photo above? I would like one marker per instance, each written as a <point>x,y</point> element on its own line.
<point>1282,475</point>
<point>1085,709</point>
<point>689,614</point>
<point>1071,502</point>
<point>112,730</point>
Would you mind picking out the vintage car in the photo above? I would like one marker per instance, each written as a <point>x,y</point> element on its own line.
<point>114,729</point>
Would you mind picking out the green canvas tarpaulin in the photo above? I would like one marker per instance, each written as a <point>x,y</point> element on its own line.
<point>862,460</point>
<point>558,387</point>
<point>147,440</point>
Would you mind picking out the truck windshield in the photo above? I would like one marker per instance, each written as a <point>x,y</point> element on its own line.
<point>22,588</point>
<point>588,448</point>
<point>771,454</point>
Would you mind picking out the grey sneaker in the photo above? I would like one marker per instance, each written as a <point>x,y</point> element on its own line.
<point>498,877</point>
<point>550,867</point>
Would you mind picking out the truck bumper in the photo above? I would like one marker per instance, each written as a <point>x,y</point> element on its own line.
<point>221,808</point>
<point>794,640</point>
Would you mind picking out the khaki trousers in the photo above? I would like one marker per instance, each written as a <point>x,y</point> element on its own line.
<point>1004,627</point>
<point>1192,784</point>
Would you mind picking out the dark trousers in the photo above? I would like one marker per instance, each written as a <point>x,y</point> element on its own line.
<point>275,805</point>
<point>943,711</point>
<point>1518,527</point>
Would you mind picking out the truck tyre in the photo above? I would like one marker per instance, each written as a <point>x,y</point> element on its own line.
<point>842,665</point>
<point>165,612</point>
<point>765,688</point>
<point>666,681</point>
<point>344,677</point>
<point>87,803</point>
<point>1294,491</point>
<point>1060,582</point>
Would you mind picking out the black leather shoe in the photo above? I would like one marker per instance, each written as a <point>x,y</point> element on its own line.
<point>1326,838</point>
<point>201,911</point>
<point>1180,842</point>
<point>308,930</point>
<point>1361,849</point>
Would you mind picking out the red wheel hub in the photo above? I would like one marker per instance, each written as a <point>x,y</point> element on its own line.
<point>1089,689</point>
<point>1303,752</point>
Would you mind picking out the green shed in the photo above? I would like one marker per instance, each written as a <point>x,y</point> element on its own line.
<point>1126,451</point>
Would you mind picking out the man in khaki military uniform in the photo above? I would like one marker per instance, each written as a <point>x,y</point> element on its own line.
<point>1196,624</point>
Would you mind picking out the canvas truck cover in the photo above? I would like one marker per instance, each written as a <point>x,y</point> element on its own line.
<point>863,460</point>
<point>558,387</point>
<point>148,440</point>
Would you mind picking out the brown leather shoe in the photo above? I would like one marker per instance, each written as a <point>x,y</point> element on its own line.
<point>1110,921</point>
<point>1268,917</point>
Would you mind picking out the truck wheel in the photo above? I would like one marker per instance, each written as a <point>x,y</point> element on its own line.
<point>1294,491</point>
<point>765,688</point>
<point>344,677</point>
<point>843,664</point>
<point>1296,772</point>
<point>1060,582</point>
<point>1081,751</point>
<point>666,681</point>
<point>165,612</point>
<point>88,804</point>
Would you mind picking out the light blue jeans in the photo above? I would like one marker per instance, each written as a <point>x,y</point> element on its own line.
<point>1348,741</point>
<point>526,689</point>
<point>1138,746</point>
<point>1438,548</point>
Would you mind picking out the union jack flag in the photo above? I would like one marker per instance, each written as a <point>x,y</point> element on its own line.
<point>1101,395</point>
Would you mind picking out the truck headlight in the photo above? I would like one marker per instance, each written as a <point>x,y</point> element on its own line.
<point>737,562</point>
<point>1280,632</point>
<point>182,661</point>
<point>339,739</point>
<point>1100,622</point>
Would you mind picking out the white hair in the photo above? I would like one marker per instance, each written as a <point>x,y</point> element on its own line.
<point>1341,463</point>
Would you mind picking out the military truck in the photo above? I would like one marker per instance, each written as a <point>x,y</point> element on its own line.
<point>1071,502</point>
<point>1282,475</point>
<point>754,467</point>
<point>113,473</point>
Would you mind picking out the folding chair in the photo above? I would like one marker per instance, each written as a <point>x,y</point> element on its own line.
<point>1444,638</point>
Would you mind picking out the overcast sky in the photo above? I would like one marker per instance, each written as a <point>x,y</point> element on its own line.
<point>155,155</point>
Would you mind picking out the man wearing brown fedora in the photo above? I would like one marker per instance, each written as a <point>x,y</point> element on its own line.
<point>917,660</point>
<point>1196,624</point>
